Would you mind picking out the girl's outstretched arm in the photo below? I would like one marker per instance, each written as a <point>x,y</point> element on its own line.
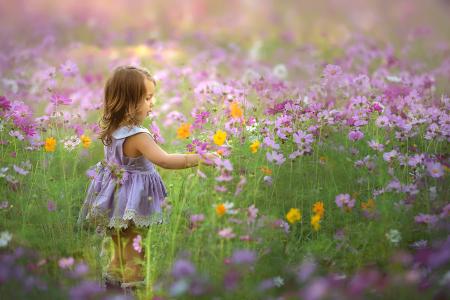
<point>154,153</point>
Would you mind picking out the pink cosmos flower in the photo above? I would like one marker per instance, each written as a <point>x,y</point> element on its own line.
<point>388,156</point>
<point>197,218</point>
<point>252,213</point>
<point>51,205</point>
<point>137,243</point>
<point>355,135</point>
<point>240,185</point>
<point>300,138</point>
<point>60,100</point>
<point>275,156</point>
<point>66,262</point>
<point>269,142</point>
<point>382,121</point>
<point>69,68</point>
<point>376,146</point>
<point>227,233</point>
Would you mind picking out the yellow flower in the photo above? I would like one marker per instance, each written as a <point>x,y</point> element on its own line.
<point>293,215</point>
<point>50,144</point>
<point>315,222</point>
<point>235,110</point>
<point>318,208</point>
<point>219,137</point>
<point>184,131</point>
<point>254,146</point>
<point>85,140</point>
<point>221,209</point>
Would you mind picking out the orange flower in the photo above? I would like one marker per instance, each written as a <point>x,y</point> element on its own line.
<point>50,144</point>
<point>85,140</point>
<point>221,209</point>
<point>266,170</point>
<point>318,208</point>
<point>184,131</point>
<point>368,205</point>
<point>235,110</point>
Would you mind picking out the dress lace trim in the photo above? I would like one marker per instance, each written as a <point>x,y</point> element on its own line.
<point>101,219</point>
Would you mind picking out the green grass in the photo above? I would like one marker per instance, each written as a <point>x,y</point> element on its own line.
<point>295,184</point>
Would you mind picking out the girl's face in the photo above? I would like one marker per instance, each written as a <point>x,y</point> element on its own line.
<point>145,107</point>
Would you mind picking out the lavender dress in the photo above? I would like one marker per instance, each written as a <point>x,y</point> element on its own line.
<point>123,188</point>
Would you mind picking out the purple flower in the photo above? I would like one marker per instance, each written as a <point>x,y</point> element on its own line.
<point>231,279</point>
<point>5,104</point>
<point>69,68</point>
<point>20,170</point>
<point>275,156</point>
<point>244,256</point>
<point>224,176</point>
<point>435,169</point>
<point>156,133</point>
<point>4,204</point>
<point>60,100</point>
<point>426,219</point>
<point>224,163</point>
<point>377,106</point>
<point>301,138</point>
<point>85,290</point>
<point>200,118</point>
<point>332,72</point>
<point>240,185</point>
<point>306,269</point>
<point>415,160</point>
<point>80,270</point>
<point>382,121</point>
<point>281,224</point>
<point>51,205</point>
<point>355,135</point>
<point>197,218</point>
<point>220,188</point>
<point>316,290</point>
<point>182,268</point>
<point>269,142</point>
<point>66,262</point>
<point>345,201</point>
<point>388,156</point>
<point>376,146</point>
<point>252,213</point>
<point>227,233</point>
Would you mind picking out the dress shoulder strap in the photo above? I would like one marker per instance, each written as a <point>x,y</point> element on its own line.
<point>126,131</point>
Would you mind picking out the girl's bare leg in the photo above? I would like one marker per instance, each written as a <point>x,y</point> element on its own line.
<point>117,261</point>
<point>133,259</point>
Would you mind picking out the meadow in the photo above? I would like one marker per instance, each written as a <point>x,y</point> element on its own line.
<point>332,181</point>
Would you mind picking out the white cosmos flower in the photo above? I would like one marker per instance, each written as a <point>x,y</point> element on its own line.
<point>5,238</point>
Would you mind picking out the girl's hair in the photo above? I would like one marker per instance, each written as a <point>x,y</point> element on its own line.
<point>124,90</point>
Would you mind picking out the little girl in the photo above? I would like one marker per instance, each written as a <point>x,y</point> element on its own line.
<point>126,191</point>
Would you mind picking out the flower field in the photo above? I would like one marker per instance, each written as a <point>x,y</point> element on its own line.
<point>332,124</point>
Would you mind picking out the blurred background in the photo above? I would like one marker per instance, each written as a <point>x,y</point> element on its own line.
<point>103,22</point>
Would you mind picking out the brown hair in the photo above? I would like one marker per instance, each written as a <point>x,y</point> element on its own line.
<point>124,90</point>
